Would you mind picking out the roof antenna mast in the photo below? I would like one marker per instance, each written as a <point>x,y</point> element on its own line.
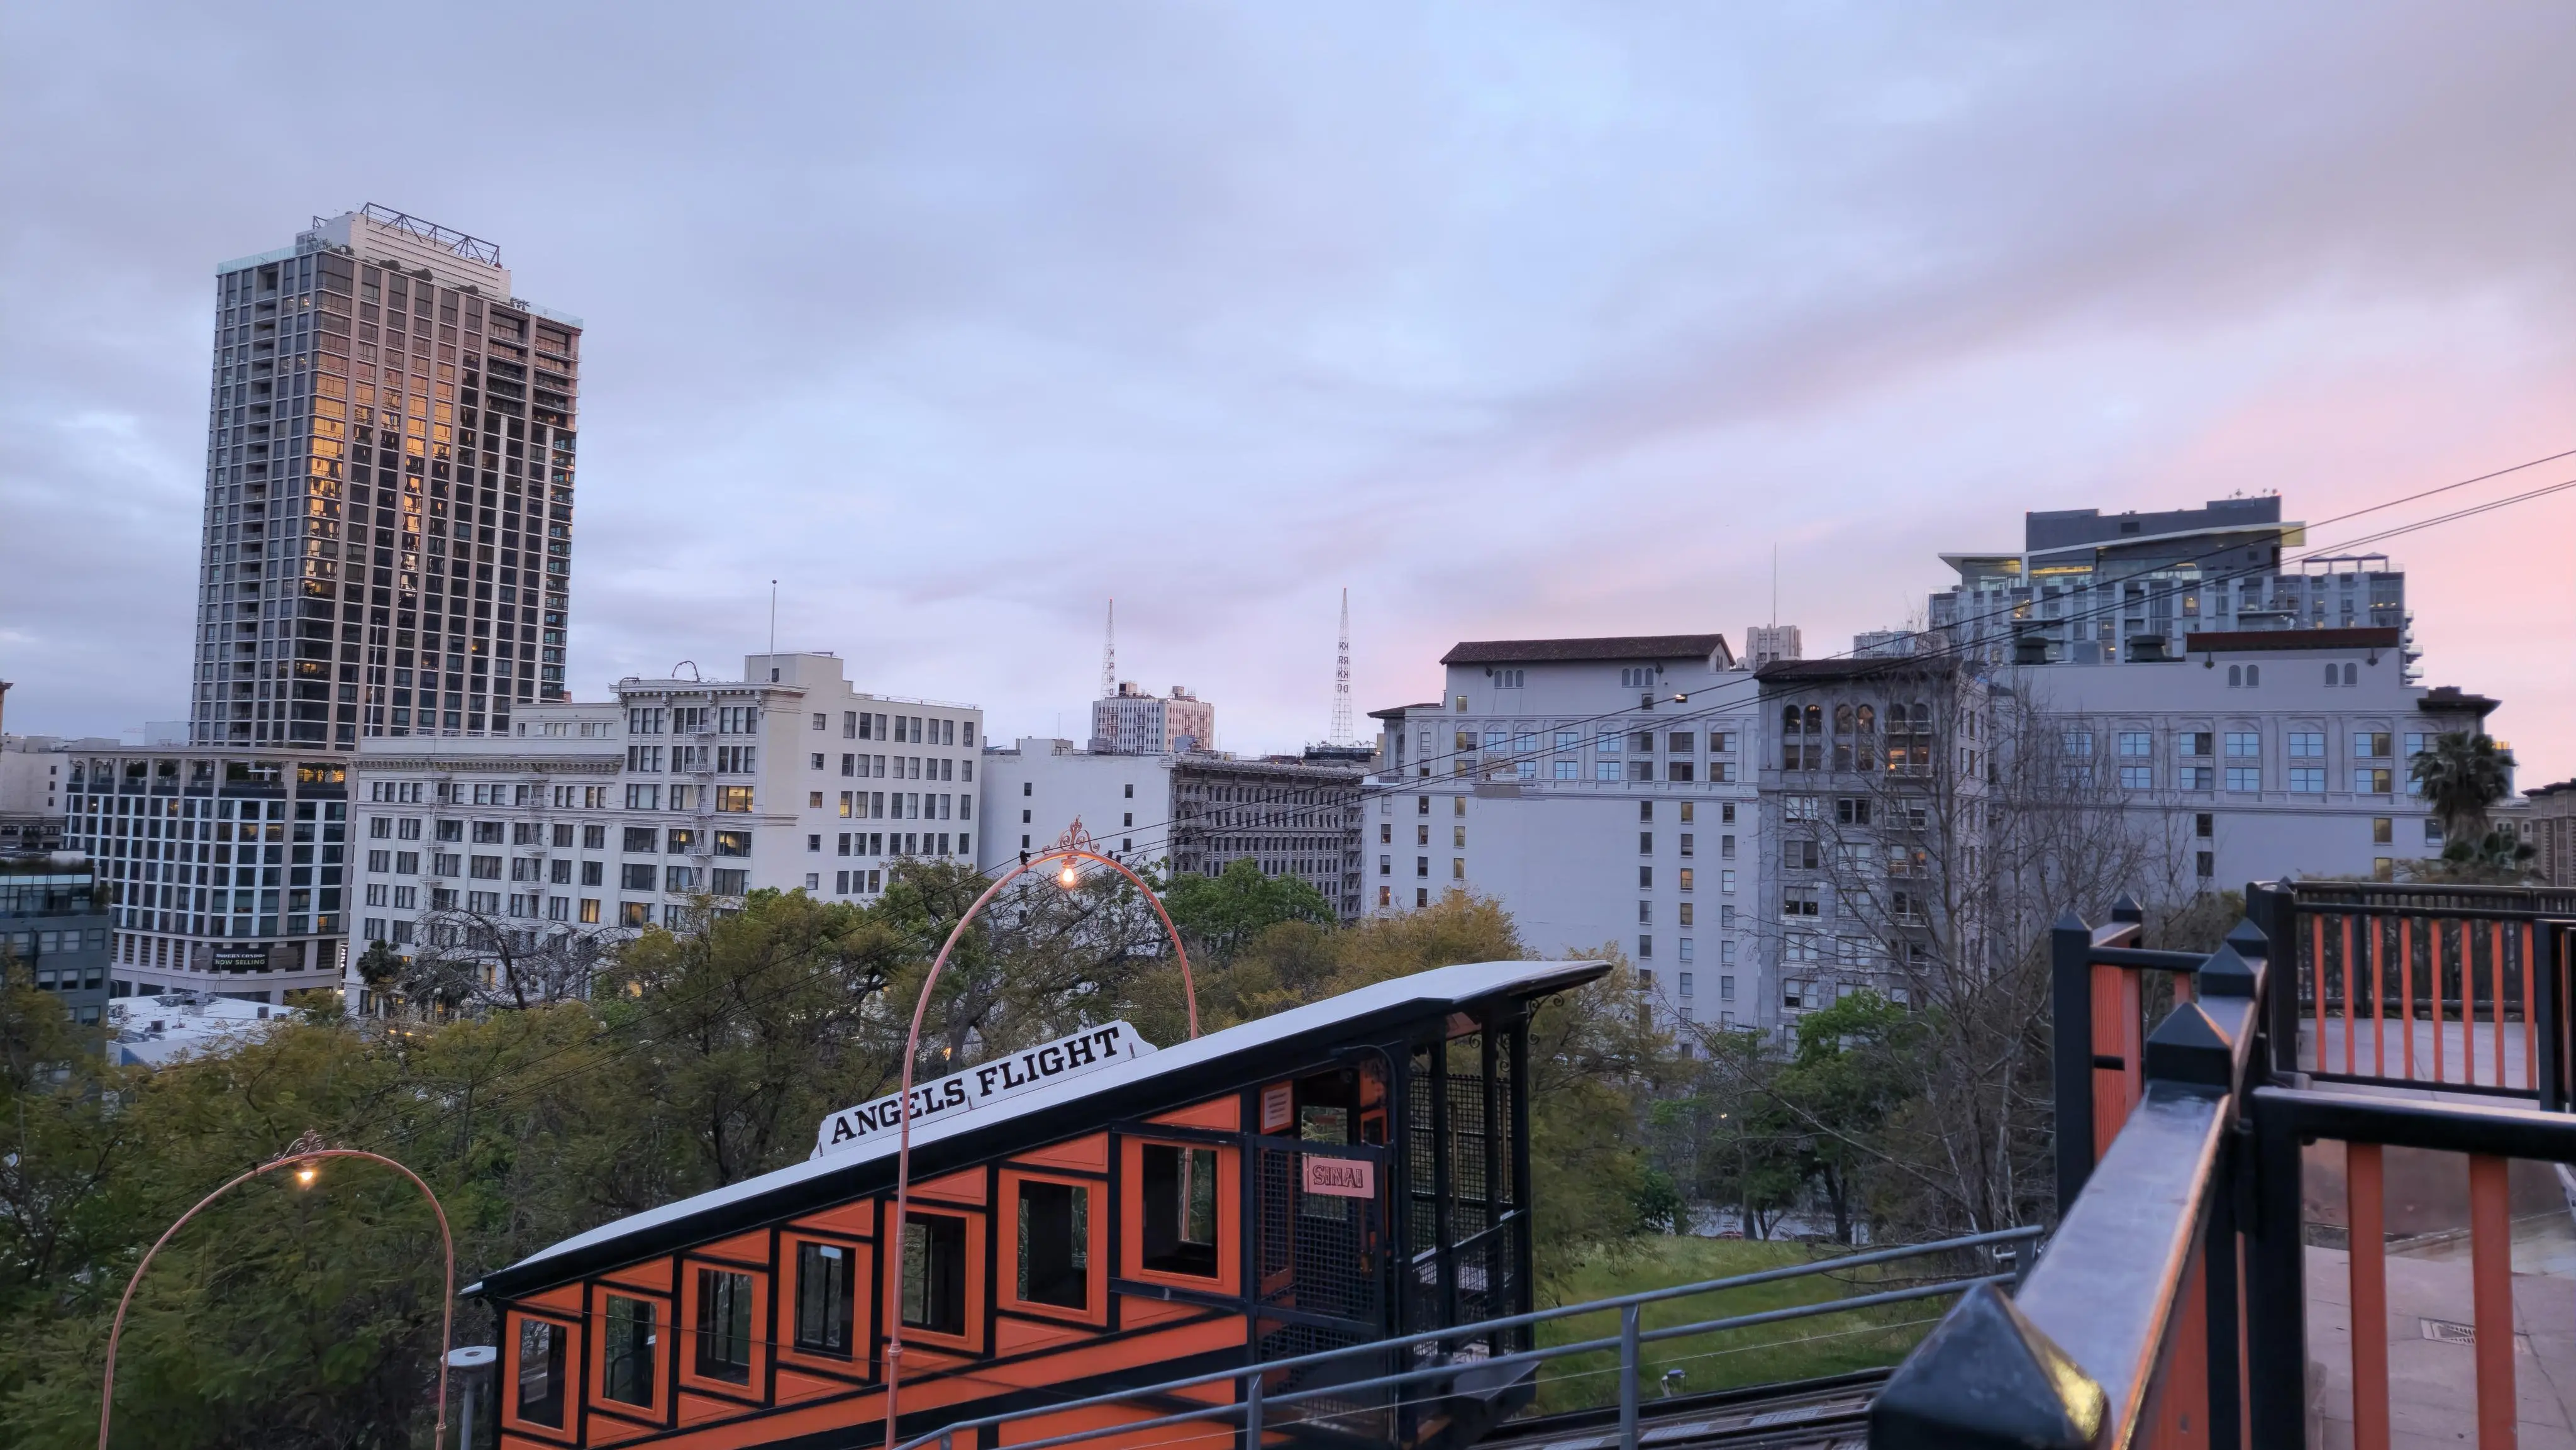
<point>1342,678</point>
<point>1109,654</point>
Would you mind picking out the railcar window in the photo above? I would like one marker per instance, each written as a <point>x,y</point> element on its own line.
<point>724,1325</point>
<point>823,1298</point>
<point>1180,1209</point>
<point>541,1373</point>
<point>1055,1244</point>
<point>934,1273</point>
<point>627,1372</point>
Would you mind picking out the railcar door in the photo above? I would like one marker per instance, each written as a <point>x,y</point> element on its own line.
<point>1320,1257</point>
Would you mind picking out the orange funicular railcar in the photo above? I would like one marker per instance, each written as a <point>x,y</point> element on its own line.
<point>1085,1218</point>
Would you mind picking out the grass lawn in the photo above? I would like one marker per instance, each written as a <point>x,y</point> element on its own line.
<point>1829,1343</point>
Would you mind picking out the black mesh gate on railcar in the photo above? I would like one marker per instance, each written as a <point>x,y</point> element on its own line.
<point>1320,1254</point>
<point>1466,1226</point>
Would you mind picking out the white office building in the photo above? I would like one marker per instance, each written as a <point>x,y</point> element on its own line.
<point>2256,755</point>
<point>678,795</point>
<point>1564,779</point>
<point>2289,749</point>
<point>1037,788</point>
<point>1137,722</point>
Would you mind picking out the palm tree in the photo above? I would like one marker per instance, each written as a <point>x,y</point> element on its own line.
<point>2461,775</point>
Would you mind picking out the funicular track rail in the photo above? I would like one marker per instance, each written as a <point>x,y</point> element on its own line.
<point>1827,1413</point>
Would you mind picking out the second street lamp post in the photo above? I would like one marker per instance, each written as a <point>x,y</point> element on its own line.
<point>303,1156</point>
<point>1075,846</point>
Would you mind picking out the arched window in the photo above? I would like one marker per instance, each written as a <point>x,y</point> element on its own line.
<point>1842,719</point>
<point>2352,674</point>
<point>1788,719</point>
<point>2235,677</point>
<point>1815,719</point>
<point>1922,717</point>
<point>1868,719</point>
<point>2330,677</point>
<point>2253,676</point>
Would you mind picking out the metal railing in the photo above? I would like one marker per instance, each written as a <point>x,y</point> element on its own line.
<point>2137,1327</point>
<point>2421,964</point>
<point>1253,1404</point>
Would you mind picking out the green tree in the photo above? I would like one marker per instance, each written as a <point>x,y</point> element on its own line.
<point>752,1025</point>
<point>2462,774</point>
<point>1847,1076</point>
<point>1220,914</point>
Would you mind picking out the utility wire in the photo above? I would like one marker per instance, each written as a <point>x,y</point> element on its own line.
<point>1726,707</point>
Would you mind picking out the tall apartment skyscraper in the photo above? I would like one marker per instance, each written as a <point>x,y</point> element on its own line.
<point>389,484</point>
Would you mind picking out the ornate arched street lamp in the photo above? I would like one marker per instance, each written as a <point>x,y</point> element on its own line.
<point>1072,848</point>
<point>302,1156</point>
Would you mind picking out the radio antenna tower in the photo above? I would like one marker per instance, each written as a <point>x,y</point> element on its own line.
<point>1342,679</point>
<point>1109,654</point>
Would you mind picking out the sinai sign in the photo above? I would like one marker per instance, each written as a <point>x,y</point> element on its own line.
<point>996,1081</point>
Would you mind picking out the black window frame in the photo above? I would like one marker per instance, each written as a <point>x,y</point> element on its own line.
<point>826,1297</point>
<point>723,1335</point>
<point>629,1367</point>
<point>1052,1258</point>
<point>1165,1246</point>
<point>942,1285</point>
<point>547,1408</point>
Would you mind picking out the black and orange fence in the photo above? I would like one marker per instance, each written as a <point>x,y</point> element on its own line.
<point>2171,1306</point>
<point>2459,987</point>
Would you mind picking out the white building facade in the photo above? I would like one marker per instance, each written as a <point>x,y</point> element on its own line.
<point>1036,788</point>
<point>1565,779</point>
<point>1138,723</point>
<point>2290,749</point>
<point>676,796</point>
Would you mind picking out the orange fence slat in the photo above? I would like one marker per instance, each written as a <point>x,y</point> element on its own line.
<point>2115,1032</point>
<point>2491,1276</point>
<point>2348,995</point>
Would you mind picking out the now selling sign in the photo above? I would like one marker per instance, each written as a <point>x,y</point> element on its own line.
<point>1004,1077</point>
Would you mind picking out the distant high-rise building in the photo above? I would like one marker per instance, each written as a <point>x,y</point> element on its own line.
<point>389,487</point>
<point>2095,588</point>
<point>1132,722</point>
<point>1770,643</point>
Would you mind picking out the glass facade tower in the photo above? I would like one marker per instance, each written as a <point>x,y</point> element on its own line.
<point>389,491</point>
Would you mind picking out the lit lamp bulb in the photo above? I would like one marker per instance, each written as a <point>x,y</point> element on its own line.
<point>1064,878</point>
<point>305,1175</point>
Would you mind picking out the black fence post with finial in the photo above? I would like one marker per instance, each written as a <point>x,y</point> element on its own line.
<point>2070,976</point>
<point>1986,1378</point>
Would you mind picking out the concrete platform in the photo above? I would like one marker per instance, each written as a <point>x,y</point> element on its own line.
<point>2432,1367</point>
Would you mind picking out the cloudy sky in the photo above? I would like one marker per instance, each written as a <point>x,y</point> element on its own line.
<point>958,320</point>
